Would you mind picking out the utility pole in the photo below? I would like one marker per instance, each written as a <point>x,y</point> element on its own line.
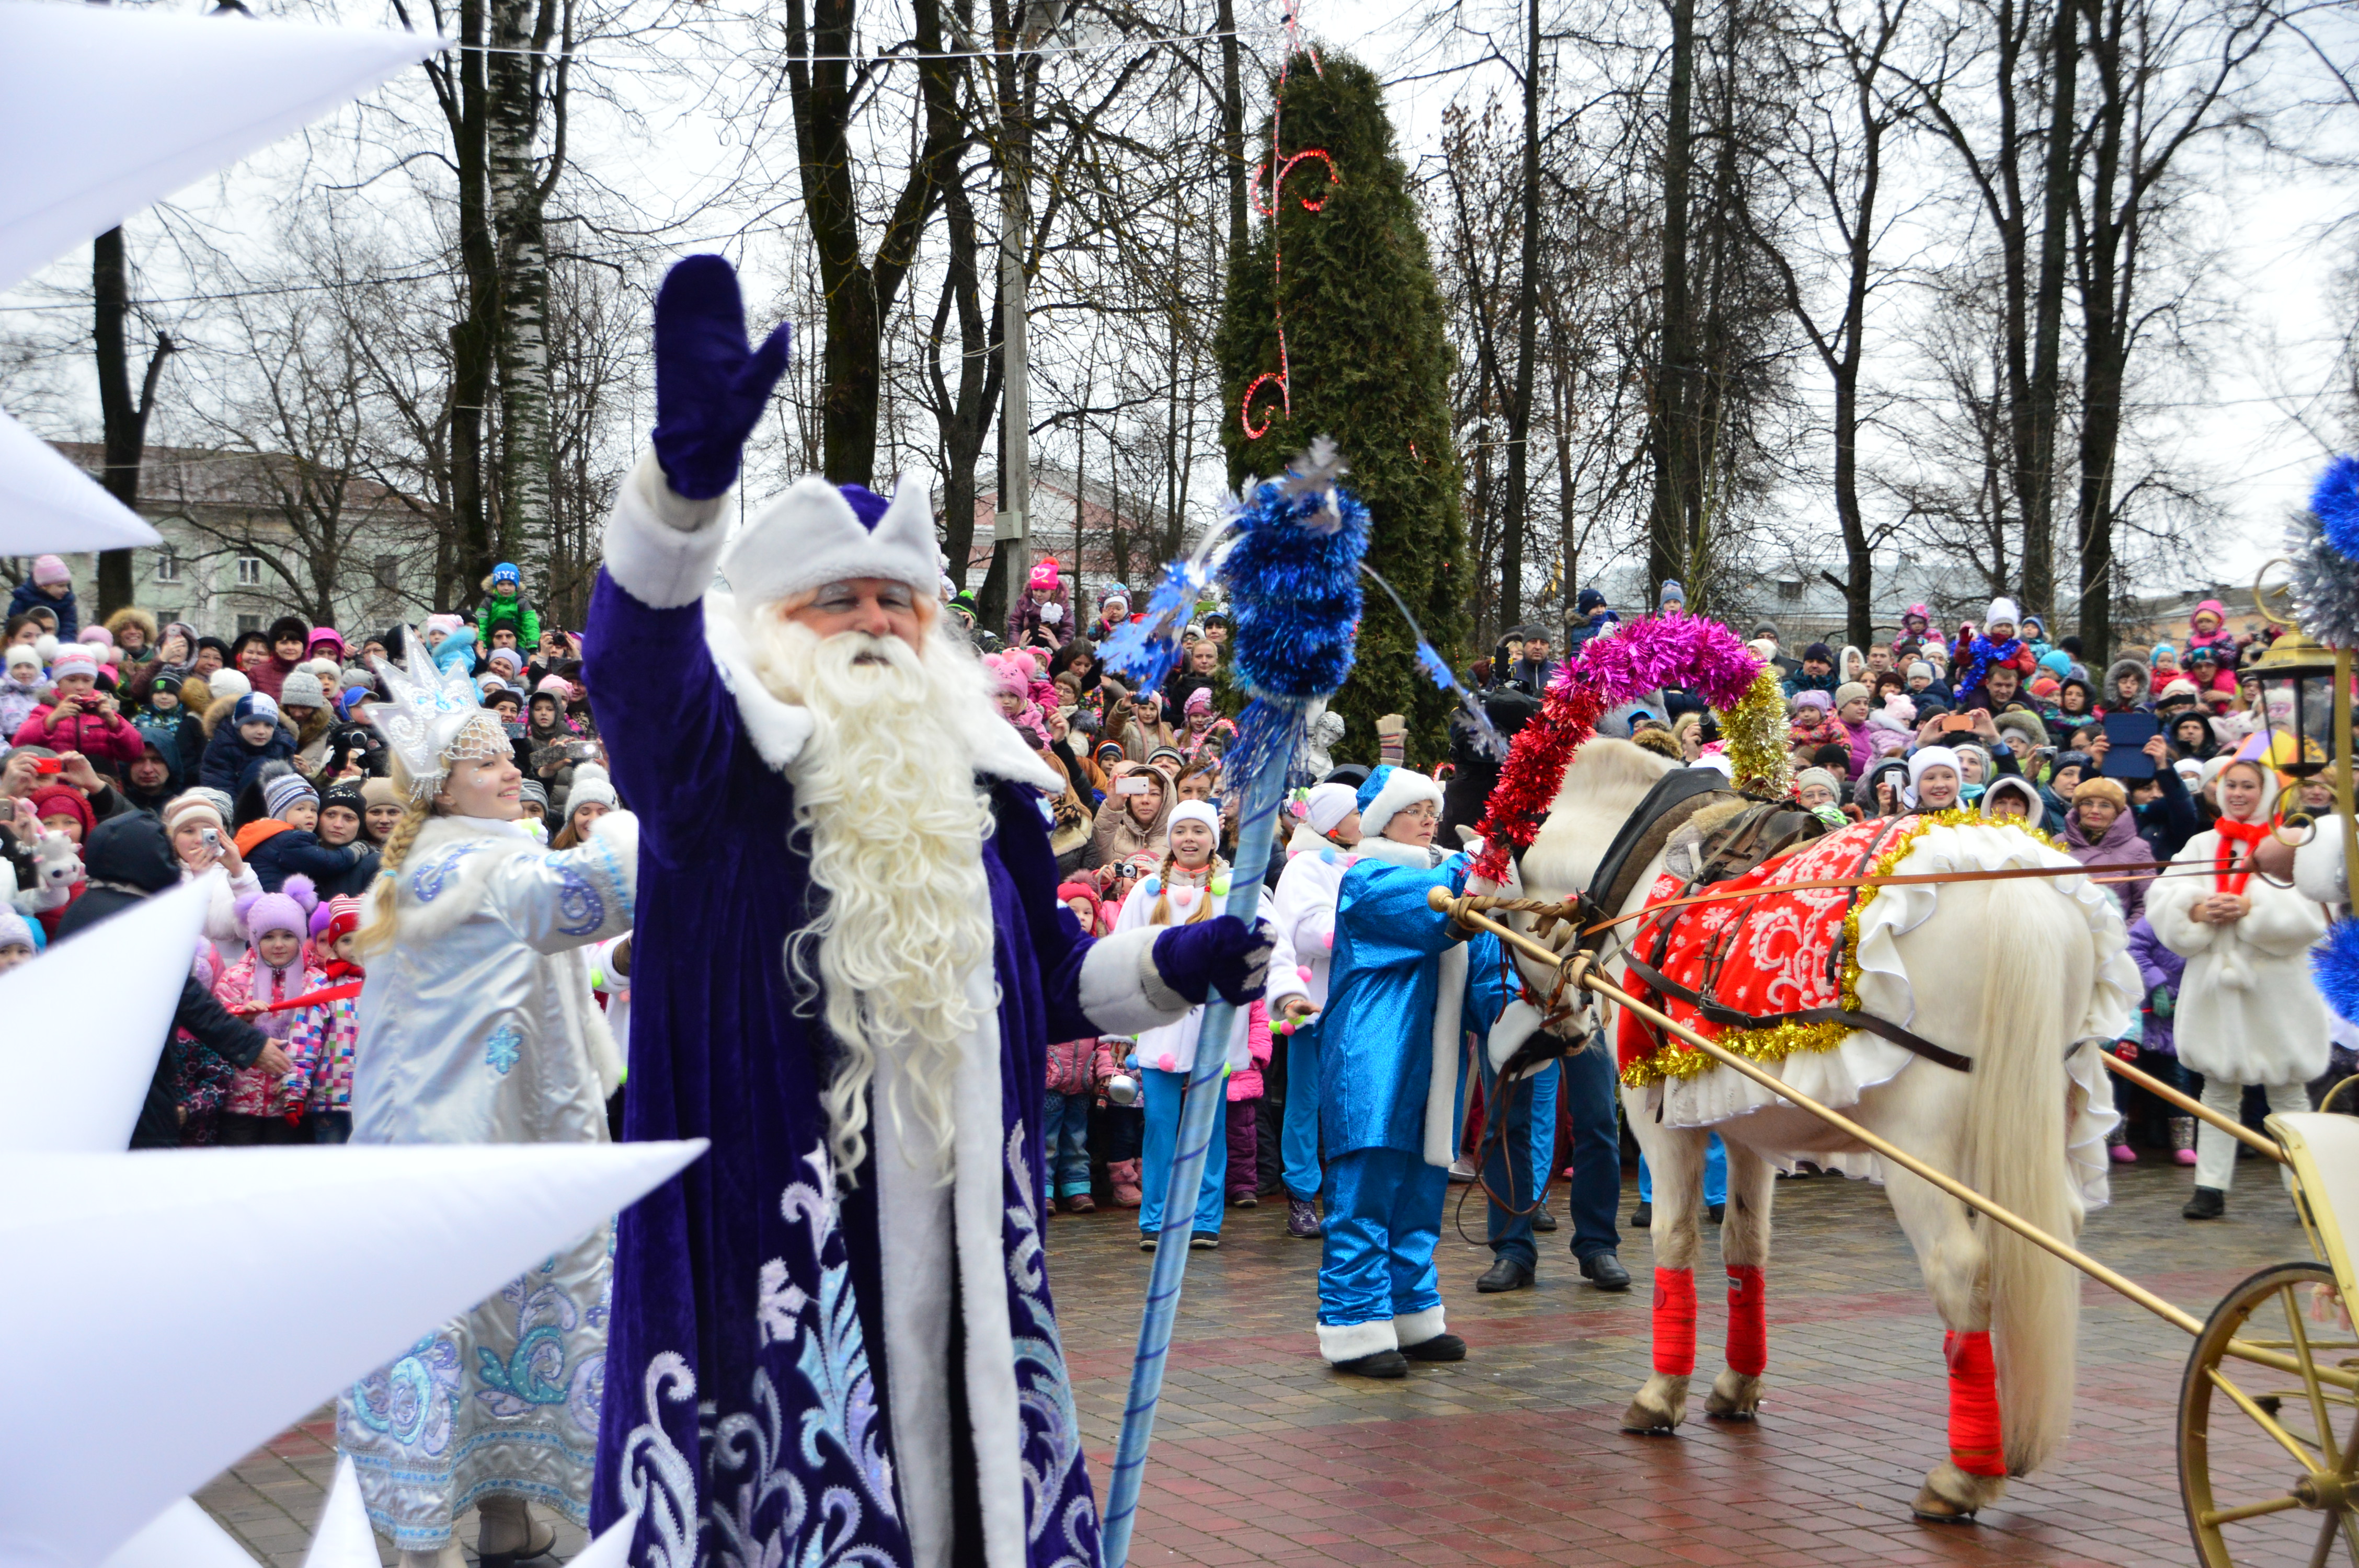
<point>1012,525</point>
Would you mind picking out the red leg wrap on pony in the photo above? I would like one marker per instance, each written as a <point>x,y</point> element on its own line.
<point>1749,1327</point>
<point>1974,1444</point>
<point>1675,1315</point>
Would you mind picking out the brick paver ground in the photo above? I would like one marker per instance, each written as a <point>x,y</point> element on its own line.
<point>1512,1457</point>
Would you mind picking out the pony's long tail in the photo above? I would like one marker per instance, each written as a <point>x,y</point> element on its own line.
<point>2015,1155</point>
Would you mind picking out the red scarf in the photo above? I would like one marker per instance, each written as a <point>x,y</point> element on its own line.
<point>2230,871</point>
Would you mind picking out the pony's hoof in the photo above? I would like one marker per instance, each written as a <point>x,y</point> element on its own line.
<point>1949,1496</point>
<point>1735,1396</point>
<point>1659,1407</point>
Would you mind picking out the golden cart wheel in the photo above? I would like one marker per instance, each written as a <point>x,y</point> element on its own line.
<point>2269,1457</point>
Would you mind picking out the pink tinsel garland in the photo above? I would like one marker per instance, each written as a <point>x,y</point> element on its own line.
<point>1688,651</point>
<point>1645,656</point>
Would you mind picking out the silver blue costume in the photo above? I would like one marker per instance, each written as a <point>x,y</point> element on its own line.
<point>478,1026</point>
<point>1406,989</point>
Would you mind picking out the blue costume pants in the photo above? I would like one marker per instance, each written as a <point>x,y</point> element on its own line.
<point>1715,1174</point>
<point>1164,1092</point>
<point>1065,1143</point>
<point>1298,1138</point>
<point>1384,1215</point>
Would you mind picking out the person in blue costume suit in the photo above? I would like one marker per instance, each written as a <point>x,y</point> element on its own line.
<point>1406,989</point>
<point>833,1338</point>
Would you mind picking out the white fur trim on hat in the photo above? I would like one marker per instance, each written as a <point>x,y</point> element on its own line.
<point>1195,811</point>
<point>811,536</point>
<point>2014,783</point>
<point>2217,765</point>
<point>1404,788</point>
<point>1929,757</point>
<point>2002,612</point>
<point>1328,803</point>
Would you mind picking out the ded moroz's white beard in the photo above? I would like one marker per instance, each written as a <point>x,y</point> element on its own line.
<point>884,792</point>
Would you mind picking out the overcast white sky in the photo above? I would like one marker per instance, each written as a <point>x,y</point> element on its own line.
<point>2273,227</point>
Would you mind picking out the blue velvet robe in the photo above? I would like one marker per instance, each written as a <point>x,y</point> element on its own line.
<point>1376,1051</point>
<point>746,1410</point>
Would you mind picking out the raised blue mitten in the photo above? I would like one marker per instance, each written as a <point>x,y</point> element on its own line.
<point>712,386</point>
<point>1222,953</point>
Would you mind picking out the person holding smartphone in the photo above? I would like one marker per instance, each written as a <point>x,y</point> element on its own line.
<point>197,823</point>
<point>1133,819</point>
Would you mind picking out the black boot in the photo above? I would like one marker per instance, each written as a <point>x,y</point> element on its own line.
<point>1440,1347</point>
<point>1643,1217</point>
<point>1380,1364</point>
<point>2207,1203</point>
<point>1505,1273</point>
<point>1605,1271</point>
<point>1543,1220</point>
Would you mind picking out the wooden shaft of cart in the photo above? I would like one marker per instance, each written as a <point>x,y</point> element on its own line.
<point>1577,970</point>
<point>2193,1106</point>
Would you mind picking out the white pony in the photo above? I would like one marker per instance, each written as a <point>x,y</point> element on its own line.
<point>2028,978</point>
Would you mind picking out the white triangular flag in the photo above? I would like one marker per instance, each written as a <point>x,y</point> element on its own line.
<point>343,1538</point>
<point>85,1028</point>
<point>48,504</point>
<point>177,1309</point>
<point>103,111</point>
<point>185,1536</point>
<point>612,1549</point>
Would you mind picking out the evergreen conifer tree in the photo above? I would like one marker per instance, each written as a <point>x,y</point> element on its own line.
<point>1368,364</point>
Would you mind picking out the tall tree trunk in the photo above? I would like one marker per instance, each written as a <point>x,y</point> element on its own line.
<point>859,292</point>
<point>962,418</point>
<point>1671,433</point>
<point>519,191</point>
<point>1527,313</point>
<point>123,419</point>
<point>2105,352</point>
<point>1232,121</point>
<point>474,336</point>
<point>2057,185</point>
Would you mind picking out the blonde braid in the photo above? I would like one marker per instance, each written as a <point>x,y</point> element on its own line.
<point>375,933</point>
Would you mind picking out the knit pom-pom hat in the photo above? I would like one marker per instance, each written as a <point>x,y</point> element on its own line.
<point>288,909</point>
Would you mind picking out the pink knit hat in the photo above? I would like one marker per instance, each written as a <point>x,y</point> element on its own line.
<point>288,909</point>
<point>443,622</point>
<point>47,569</point>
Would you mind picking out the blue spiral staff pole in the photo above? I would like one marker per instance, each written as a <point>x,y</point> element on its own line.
<point>1291,566</point>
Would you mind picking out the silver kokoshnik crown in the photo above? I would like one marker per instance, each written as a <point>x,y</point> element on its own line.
<point>432,718</point>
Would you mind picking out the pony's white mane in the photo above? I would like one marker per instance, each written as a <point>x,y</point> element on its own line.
<point>1607,781</point>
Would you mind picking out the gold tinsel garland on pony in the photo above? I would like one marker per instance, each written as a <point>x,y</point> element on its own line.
<point>1674,1059</point>
<point>1753,736</point>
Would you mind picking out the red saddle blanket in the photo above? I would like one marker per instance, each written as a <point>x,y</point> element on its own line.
<point>1769,953</point>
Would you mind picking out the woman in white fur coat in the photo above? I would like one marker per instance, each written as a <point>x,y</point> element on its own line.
<point>478,1025</point>
<point>1192,885</point>
<point>2247,1011</point>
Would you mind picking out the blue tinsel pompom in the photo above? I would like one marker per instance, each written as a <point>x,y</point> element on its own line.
<point>1145,651</point>
<point>2334,963</point>
<point>1293,578</point>
<point>2335,501</point>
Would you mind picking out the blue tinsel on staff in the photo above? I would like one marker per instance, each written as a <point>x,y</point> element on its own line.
<point>1291,567</point>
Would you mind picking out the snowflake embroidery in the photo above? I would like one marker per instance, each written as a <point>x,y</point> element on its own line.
<point>502,1048</point>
